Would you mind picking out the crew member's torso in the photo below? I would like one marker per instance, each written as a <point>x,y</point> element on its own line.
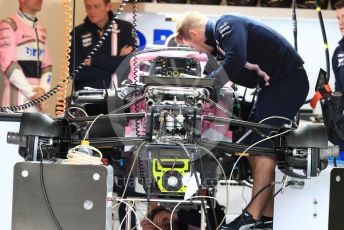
<point>31,41</point>
<point>268,56</point>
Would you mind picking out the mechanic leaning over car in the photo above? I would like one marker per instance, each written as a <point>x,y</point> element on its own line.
<point>252,55</point>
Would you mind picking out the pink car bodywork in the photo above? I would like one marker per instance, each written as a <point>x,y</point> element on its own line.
<point>210,130</point>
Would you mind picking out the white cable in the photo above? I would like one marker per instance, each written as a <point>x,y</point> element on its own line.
<point>174,209</point>
<point>89,128</point>
<point>267,118</point>
<point>77,108</point>
<point>223,171</point>
<point>76,157</point>
<point>243,137</point>
<point>279,134</point>
<point>70,114</point>
<point>131,208</point>
<point>113,219</point>
<point>143,215</point>
<point>236,162</point>
<point>210,153</point>
<point>213,156</point>
<point>279,117</point>
<point>126,214</point>
<point>224,175</point>
<point>132,167</point>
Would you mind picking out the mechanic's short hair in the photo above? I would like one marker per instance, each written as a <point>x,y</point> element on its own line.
<point>191,20</point>
<point>339,4</point>
<point>107,1</point>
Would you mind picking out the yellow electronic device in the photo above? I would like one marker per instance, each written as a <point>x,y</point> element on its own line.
<point>168,174</point>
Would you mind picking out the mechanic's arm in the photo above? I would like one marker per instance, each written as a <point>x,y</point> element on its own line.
<point>8,61</point>
<point>233,45</point>
<point>111,63</point>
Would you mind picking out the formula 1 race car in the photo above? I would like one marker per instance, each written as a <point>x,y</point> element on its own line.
<point>166,121</point>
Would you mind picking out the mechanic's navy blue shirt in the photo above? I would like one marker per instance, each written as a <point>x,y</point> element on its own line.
<point>338,66</point>
<point>252,53</point>
<point>103,63</point>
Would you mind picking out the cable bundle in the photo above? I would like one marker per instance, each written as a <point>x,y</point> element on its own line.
<point>79,155</point>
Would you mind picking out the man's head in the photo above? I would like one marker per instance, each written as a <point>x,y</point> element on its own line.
<point>190,31</point>
<point>97,11</point>
<point>160,217</point>
<point>340,15</point>
<point>30,6</point>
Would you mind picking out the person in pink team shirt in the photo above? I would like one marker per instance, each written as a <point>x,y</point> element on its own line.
<point>25,65</point>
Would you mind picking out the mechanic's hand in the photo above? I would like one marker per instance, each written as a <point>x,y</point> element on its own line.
<point>43,106</point>
<point>39,91</point>
<point>126,50</point>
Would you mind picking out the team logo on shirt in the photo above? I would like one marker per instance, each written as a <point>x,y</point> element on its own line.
<point>340,59</point>
<point>33,52</point>
<point>49,79</point>
<point>224,29</point>
<point>86,39</point>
